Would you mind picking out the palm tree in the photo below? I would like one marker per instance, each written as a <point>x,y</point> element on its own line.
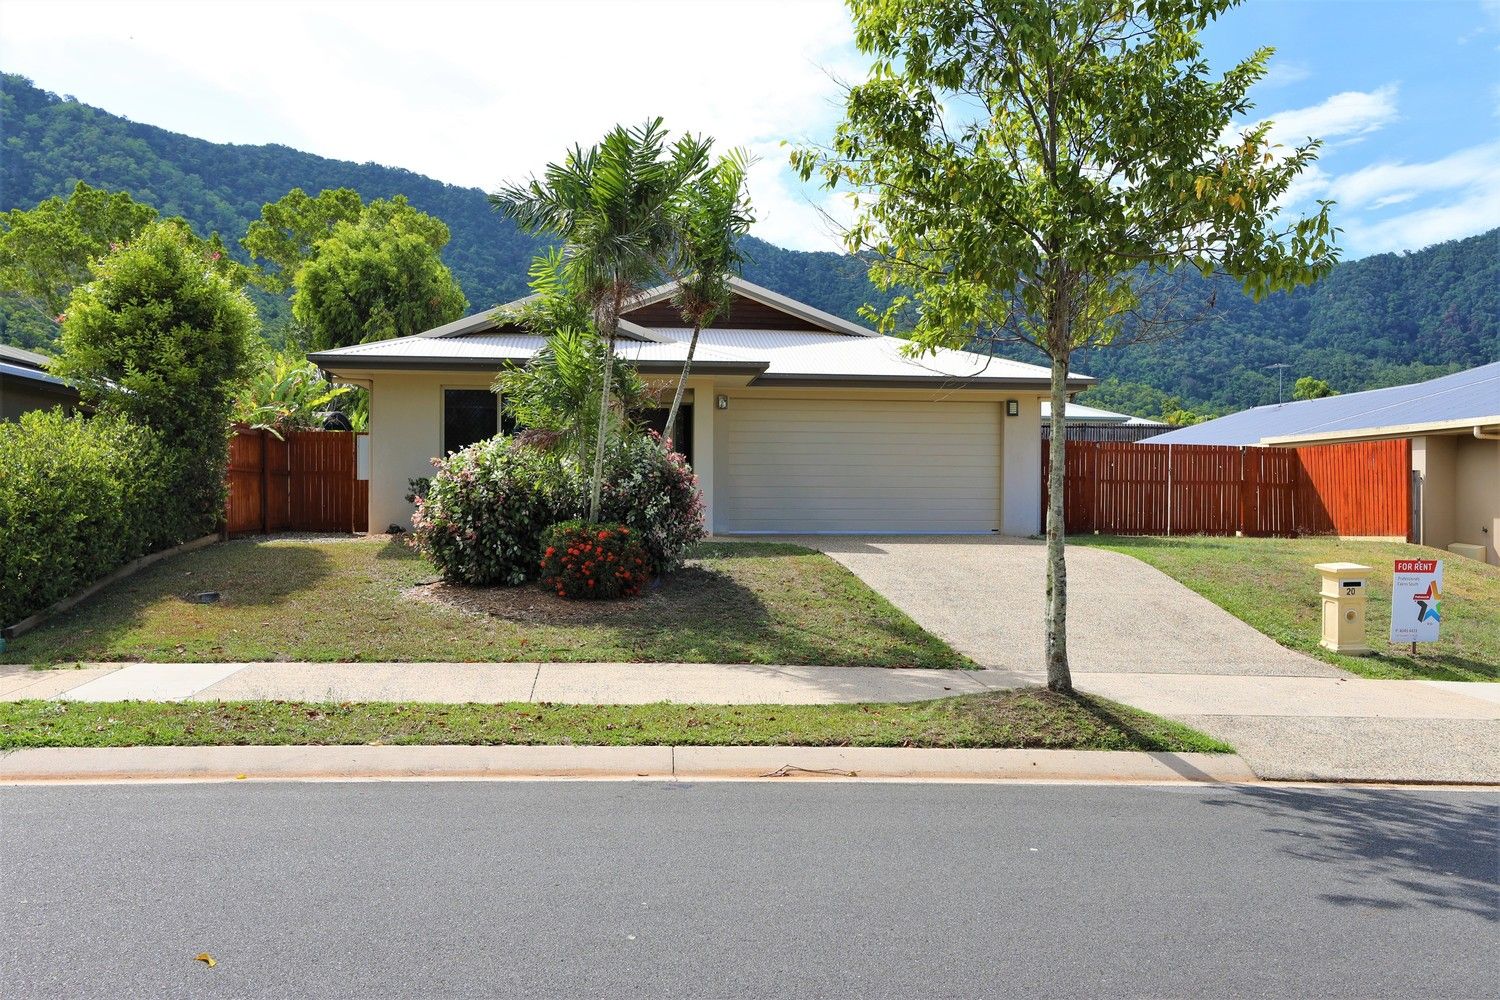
<point>609,207</point>
<point>711,216</point>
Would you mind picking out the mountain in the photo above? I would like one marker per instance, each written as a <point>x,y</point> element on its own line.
<point>1377,321</point>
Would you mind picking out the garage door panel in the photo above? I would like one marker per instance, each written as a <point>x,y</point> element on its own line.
<point>853,466</point>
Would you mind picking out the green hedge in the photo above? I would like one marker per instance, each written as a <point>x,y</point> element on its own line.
<point>79,498</point>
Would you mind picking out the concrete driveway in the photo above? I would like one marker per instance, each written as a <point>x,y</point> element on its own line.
<point>985,596</point>
<point>1140,637</point>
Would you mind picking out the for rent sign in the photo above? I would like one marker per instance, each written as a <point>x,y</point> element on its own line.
<point>1416,600</point>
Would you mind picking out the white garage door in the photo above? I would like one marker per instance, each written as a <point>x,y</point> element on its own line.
<point>857,466</point>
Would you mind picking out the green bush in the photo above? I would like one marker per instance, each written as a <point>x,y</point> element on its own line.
<point>162,336</point>
<point>78,498</point>
<point>482,519</point>
<point>593,562</point>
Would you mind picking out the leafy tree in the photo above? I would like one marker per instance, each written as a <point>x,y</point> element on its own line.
<point>609,206</point>
<point>711,216</point>
<point>1308,387</point>
<point>162,336</point>
<point>375,279</point>
<point>285,393</point>
<point>46,251</point>
<point>288,229</point>
<point>1032,169</point>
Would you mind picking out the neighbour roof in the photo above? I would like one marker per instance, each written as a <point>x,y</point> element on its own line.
<point>816,348</point>
<point>30,374</point>
<point>1077,413</point>
<point>1463,399</point>
<point>28,359</point>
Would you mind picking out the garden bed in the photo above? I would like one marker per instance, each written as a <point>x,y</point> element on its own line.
<point>376,600</point>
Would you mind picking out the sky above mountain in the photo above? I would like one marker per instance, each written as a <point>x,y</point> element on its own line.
<point>1406,93</point>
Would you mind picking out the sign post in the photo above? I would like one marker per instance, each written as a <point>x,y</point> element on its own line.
<point>1416,601</point>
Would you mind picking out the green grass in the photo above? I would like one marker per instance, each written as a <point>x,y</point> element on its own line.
<point>1270,583</point>
<point>366,599</point>
<point>1019,718</point>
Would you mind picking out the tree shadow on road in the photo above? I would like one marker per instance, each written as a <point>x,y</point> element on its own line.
<point>1394,849</point>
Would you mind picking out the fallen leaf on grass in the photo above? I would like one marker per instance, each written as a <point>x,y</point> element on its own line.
<point>206,959</point>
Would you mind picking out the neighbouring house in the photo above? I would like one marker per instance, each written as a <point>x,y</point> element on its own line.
<point>795,420</point>
<point>1453,423</point>
<point>1089,423</point>
<point>25,384</point>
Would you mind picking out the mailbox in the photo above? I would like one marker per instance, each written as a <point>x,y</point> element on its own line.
<point>1344,587</point>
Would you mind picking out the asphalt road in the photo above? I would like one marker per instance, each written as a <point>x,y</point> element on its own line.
<point>659,890</point>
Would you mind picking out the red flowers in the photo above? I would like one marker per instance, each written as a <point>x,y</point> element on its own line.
<point>589,560</point>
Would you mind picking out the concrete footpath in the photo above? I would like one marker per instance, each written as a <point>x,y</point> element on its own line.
<point>348,763</point>
<point>459,683</point>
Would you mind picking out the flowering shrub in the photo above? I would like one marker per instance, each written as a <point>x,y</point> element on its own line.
<point>482,519</point>
<point>651,489</point>
<point>593,561</point>
<point>486,508</point>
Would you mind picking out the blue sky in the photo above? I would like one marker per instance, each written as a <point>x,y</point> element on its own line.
<point>1407,92</point>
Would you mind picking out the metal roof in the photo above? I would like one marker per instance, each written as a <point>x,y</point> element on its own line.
<point>1464,398</point>
<point>787,357</point>
<point>29,359</point>
<point>1077,413</point>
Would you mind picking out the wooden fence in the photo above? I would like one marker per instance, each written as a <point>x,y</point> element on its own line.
<point>304,482</point>
<point>1361,488</point>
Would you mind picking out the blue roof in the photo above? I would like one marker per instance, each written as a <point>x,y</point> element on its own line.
<point>1467,395</point>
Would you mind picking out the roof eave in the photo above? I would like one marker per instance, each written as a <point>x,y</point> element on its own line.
<point>1387,432</point>
<point>832,380</point>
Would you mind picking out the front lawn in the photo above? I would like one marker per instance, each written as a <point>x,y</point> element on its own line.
<point>1035,718</point>
<point>375,600</point>
<point>1270,583</point>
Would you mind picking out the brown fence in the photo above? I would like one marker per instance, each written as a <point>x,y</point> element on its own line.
<point>1118,488</point>
<point>305,481</point>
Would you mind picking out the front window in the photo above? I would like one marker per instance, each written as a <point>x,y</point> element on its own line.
<point>469,415</point>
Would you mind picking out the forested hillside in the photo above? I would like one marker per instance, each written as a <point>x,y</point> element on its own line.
<point>1376,321</point>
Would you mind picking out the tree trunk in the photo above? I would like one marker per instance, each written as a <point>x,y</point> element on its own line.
<point>1059,677</point>
<point>610,322</point>
<point>687,367</point>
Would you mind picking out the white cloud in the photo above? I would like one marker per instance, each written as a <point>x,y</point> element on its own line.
<point>469,93</point>
<point>1351,114</point>
<point>1447,198</point>
<point>1477,167</point>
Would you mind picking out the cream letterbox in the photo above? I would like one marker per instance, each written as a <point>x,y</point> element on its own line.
<point>1344,586</point>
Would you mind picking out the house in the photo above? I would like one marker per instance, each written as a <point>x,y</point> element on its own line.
<point>1089,423</point>
<point>25,384</point>
<point>1453,423</point>
<point>795,420</point>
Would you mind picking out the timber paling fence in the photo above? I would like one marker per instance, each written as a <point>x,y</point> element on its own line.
<point>1116,488</point>
<point>303,481</point>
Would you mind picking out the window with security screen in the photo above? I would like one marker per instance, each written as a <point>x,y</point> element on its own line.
<point>469,415</point>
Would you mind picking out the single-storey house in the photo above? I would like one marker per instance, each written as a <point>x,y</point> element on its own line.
<point>795,420</point>
<point>1453,423</point>
<point>25,384</point>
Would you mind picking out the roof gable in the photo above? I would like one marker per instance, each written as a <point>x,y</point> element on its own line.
<point>751,307</point>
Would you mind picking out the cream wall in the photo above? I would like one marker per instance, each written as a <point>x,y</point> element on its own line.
<point>1021,463</point>
<point>1433,457</point>
<point>1476,494</point>
<point>406,428</point>
<point>1460,490</point>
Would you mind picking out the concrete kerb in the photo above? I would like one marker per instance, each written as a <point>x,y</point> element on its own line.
<point>338,763</point>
